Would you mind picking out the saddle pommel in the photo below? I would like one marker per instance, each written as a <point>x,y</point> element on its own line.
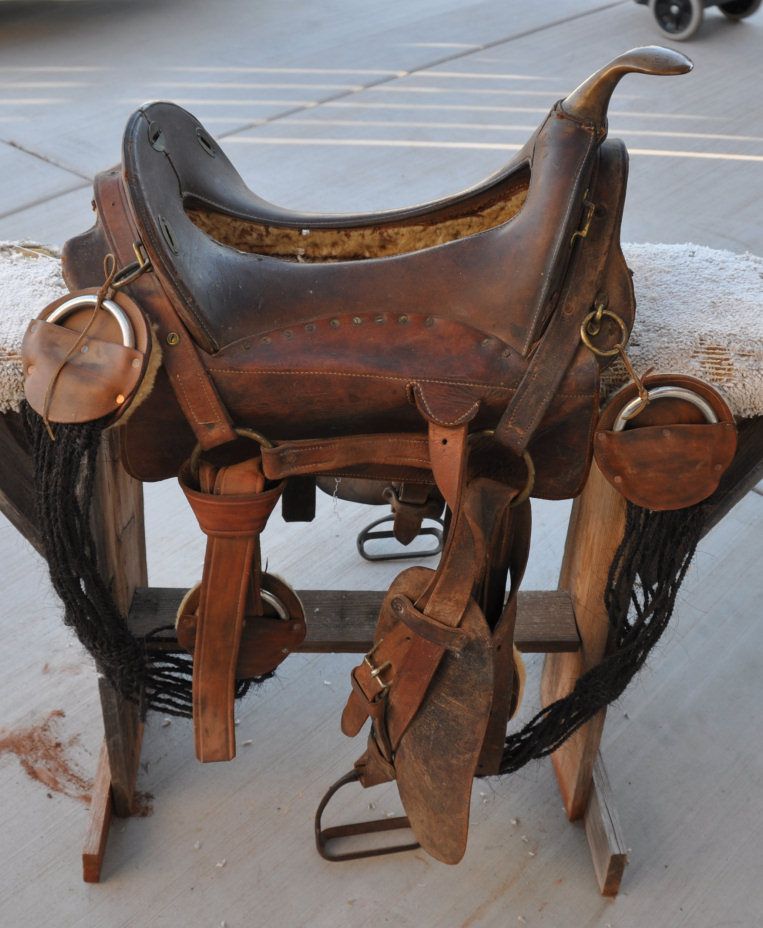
<point>591,99</point>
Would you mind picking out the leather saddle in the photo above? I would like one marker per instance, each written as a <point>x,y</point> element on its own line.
<point>435,347</point>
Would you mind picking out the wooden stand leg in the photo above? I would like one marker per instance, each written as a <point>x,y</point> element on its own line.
<point>596,528</point>
<point>595,531</point>
<point>99,821</point>
<point>602,828</point>
<point>118,529</point>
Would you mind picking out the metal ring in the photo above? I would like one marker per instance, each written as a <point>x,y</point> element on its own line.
<point>586,338</point>
<point>89,300</point>
<point>529,464</point>
<point>272,600</point>
<point>634,407</point>
<point>528,488</point>
<point>193,461</point>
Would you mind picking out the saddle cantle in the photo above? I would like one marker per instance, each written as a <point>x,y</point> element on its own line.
<point>437,347</point>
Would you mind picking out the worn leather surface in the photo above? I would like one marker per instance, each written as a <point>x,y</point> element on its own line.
<point>100,376</point>
<point>669,456</point>
<point>363,343</point>
<point>340,360</point>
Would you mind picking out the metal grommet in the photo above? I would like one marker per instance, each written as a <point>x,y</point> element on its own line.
<point>86,300</point>
<point>635,406</point>
<point>173,339</point>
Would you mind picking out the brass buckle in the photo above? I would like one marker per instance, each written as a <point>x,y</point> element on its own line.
<point>376,672</point>
<point>590,209</point>
<point>132,271</point>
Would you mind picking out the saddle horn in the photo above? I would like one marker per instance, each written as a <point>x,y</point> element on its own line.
<point>591,99</point>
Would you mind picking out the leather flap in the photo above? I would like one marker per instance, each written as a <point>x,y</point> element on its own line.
<point>666,466</point>
<point>96,381</point>
<point>447,404</point>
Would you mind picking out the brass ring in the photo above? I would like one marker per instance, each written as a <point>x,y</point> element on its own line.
<point>193,461</point>
<point>586,337</point>
<point>530,483</point>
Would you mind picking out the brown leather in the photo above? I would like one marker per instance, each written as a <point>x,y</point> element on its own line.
<point>232,507</point>
<point>335,338</point>
<point>197,401</point>
<point>75,377</point>
<point>669,456</point>
<point>585,287</point>
<point>266,640</point>
<point>357,363</point>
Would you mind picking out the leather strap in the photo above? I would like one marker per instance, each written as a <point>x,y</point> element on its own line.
<point>192,385</point>
<point>232,508</point>
<point>414,656</point>
<point>316,456</point>
<point>561,340</point>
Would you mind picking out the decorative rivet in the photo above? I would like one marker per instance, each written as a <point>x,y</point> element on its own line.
<point>485,342</point>
<point>136,362</point>
<point>429,321</point>
<point>505,353</point>
<point>30,369</point>
<point>84,349</point>
<point>402,319</point>
<point>334,323</point>
<point>120,399</point>
<point>247,346</point>
<point>287,333</point>
<point>718,467</point>
<point>666,433</point>
<point>618,479</point>
<point>379,320</point>
<point>310,327</point>
<point>173,338</point>
<point>356,320</point>
<point>265,340</point>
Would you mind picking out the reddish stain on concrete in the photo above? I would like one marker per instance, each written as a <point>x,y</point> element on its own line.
<point>43,757</point>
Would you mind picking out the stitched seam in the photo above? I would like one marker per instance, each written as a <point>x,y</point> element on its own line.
<point>533,323</point>
<point>333,444</point>
<point>457,421</point>
<point>310,466</point>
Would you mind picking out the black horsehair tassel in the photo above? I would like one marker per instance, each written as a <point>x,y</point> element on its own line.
<point>644,578</point>
<point>152,670</point>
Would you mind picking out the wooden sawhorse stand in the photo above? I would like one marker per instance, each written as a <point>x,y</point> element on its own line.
<point>569,625</point>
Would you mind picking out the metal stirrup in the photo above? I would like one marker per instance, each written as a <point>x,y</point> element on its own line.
<point>324,835</point>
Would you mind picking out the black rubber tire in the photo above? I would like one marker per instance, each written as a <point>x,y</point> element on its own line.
<point>739,9</point>
<point>677,20</point>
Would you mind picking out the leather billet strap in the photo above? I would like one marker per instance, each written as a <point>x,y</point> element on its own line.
<point>428,627</point>
<point>293,458</point>
<point>195,392</point>
<point>232,507</point>
<point>584,288</point>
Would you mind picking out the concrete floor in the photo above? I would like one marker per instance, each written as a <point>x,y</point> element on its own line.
<point>350,106</point>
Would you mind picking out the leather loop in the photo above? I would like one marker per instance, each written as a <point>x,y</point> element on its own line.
<point>427,627</point>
